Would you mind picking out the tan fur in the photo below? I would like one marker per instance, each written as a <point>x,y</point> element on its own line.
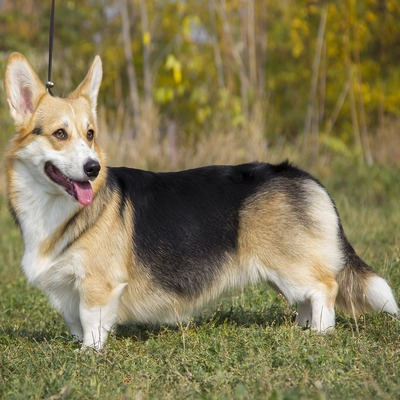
<point>352,298</point>
<point>106,265</point>
<point>271,229</point>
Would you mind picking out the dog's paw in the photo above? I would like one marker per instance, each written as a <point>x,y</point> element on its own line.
<point>84,349</point>
<point>76,338</point>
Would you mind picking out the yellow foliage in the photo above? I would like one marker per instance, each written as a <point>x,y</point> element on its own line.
<point>393,5</point>
<point>392,102</point>
<point>371,17</point>
<point>164,95</point>
<point>218,57</point>
<point>298,31</point>
<point>146,38</point>
<point>174,65</point>
<point>203,113</point>
<point>177,73</point>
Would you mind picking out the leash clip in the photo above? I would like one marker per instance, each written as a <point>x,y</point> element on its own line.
<point>49,86</point>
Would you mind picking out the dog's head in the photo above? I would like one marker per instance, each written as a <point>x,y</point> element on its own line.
<point>55,137</point>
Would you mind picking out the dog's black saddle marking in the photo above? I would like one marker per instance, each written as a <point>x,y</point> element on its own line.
<point>186,223</point>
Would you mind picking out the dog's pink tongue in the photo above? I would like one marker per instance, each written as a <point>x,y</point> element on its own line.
<point>84,192</point>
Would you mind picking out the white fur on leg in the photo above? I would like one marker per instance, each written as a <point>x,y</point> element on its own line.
<point>72,318</point>
<point>75,328</point>
<point>304,313</point>
<point>323,316</point>
<point>96,326</point>
<point>98,321</point>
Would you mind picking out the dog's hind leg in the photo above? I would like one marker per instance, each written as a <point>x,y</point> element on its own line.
<point>98,320</point>
<point>322,304</point>
<point>314,290</point>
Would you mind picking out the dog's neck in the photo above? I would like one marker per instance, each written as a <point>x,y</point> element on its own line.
<point>39,213</point>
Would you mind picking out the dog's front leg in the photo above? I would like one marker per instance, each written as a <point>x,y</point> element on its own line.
<point>66,300</point>
<point>98,319</point>
<point>73,321</point>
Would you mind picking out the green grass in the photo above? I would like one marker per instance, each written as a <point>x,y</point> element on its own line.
<point>248,348</point>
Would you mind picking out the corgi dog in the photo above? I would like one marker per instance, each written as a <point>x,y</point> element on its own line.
<point>114,245</point>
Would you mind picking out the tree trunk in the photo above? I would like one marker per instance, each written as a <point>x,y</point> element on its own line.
<point>130,67</point>
<point>146,36</point>
<point>312,108</point>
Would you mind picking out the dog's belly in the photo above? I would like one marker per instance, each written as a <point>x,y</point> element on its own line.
<point>156,305</point>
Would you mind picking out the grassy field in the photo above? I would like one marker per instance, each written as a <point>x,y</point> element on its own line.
<point>245,348</point>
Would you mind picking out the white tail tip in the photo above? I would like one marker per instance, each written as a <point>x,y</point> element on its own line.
<point>380,296</point>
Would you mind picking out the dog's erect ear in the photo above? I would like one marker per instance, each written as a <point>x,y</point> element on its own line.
<point>23,88</point>
<point>89,87</point>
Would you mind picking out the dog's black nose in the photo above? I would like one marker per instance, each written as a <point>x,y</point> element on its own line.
<point>92,168</point>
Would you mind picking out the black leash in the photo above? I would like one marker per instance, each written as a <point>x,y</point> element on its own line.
<point>49,83</point>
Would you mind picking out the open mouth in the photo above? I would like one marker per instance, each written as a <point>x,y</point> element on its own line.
<point>80,190</point>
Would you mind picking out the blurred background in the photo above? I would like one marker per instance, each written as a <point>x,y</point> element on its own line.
<point>190,82</point>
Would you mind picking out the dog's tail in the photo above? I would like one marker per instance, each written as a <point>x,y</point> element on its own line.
<point>360,288</point>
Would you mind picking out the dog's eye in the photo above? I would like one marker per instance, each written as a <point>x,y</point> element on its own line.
<point>90,135</point>
<point>60,134</point>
